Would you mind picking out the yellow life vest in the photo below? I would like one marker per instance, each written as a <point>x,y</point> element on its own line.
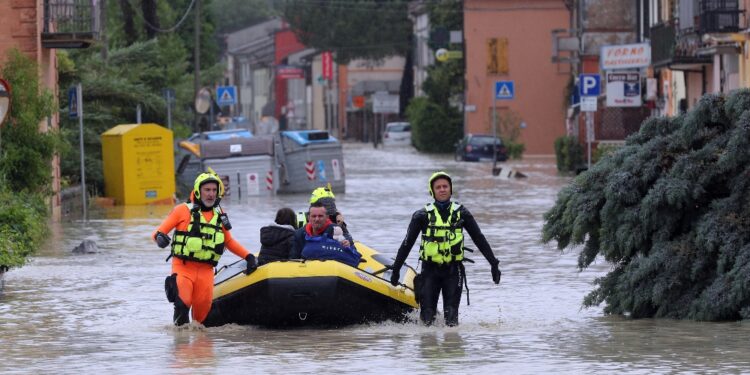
<point>442,242</point>
<point>301,219</point>
<point>203,242</point>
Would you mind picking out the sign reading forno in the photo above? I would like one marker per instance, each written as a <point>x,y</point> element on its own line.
<point>625,56</point>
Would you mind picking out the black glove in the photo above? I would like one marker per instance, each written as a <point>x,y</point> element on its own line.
<point>252,265</point>
<point>496,273</point>
<point>162,240</point>
<point>395,275</point>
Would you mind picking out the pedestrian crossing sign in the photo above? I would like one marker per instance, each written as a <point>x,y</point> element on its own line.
<point>504,90</point>
<point>226,95</point>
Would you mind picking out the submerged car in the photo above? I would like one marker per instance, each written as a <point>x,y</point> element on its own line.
<point>479,147</point>
<point>397,134</point>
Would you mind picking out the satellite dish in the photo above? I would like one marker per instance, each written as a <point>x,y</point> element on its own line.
<point>203,100</point>
<point>4,100</point>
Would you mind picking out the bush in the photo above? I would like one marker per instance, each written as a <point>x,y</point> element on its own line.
<point>23,226</point>
<point>509,127</point>
<point>25,163</point>
<point>515,150</point>
<point>434,128</point>
<point>568,153</point>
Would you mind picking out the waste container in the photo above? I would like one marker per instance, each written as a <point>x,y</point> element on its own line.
<point>308,159</point>
<point>138,162</point>
<point>244,163</point>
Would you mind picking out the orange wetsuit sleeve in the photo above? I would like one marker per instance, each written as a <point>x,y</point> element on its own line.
<point>234,245</point>
<point>178,219</point>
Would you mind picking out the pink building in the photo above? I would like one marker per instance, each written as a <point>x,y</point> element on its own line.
<point>511,41</point>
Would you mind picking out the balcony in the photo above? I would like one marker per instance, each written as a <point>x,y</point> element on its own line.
<point>719,16</point>
<point>676,51</point>
<point>70,23</point>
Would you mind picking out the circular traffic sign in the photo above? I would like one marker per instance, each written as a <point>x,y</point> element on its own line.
<point>203,100</point>
<point>4,100</point>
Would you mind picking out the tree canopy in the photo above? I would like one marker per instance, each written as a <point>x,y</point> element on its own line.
<point>436,119</point>
<point>670,211</point>
<point>352,29</point>
<point>134,72</point>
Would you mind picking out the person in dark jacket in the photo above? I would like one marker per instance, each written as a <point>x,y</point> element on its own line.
<point>441,224</point>
<point>276,238</point>
<point>320,238</point>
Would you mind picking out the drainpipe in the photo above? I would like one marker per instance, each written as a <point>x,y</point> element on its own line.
<point>722,74</point>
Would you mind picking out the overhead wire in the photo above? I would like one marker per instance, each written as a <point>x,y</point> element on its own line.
<point>177,25</point>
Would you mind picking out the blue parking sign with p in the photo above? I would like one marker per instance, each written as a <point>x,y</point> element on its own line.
<point>589,85</point>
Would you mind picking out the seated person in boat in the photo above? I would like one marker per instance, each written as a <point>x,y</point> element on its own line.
<point>321,239</point>
<point>276,238</point>
<point>325,196</point>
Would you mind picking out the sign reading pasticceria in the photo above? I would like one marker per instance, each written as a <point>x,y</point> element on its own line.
<point>4,100</point>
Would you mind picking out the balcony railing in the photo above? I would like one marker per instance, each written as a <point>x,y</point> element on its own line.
<point>70,23</point>
<point>718,16</point>
<point>672,49</point>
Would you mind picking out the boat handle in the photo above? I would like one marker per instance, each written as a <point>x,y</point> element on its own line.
<point>386,268</point>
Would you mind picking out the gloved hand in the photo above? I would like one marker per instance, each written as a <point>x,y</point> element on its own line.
<point>162,240</point>
<point>252,265</point>
<point>395,275</point>
<point>496,273</point>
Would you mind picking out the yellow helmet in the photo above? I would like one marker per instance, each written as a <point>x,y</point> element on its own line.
<point>206,177</point>
<point>434,177</point>
<point>321,192</point>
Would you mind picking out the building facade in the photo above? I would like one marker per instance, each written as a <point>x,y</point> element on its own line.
<point>509,45</point>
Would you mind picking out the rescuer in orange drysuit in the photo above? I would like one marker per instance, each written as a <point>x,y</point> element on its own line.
<point>196,249</point>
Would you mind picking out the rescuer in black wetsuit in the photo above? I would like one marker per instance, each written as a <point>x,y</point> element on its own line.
<point>441,251</point>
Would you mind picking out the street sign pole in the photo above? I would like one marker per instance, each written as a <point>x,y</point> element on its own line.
<point>494,131</point>
<point>169,109</point>
<point>590,89</point>
<point>589,135</point>
<point>79,104</point>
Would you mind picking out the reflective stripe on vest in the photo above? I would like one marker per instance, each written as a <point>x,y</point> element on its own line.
<point>442,242</point>
<point>200,243</point>
<point>301,219</point>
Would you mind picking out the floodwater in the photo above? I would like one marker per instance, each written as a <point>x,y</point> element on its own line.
<point>106,312</point>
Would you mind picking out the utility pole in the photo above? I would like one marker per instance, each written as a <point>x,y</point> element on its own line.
<point>197,56</point>
<point>103,29</point>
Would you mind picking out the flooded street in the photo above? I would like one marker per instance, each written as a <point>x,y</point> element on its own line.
<point>106,312</point>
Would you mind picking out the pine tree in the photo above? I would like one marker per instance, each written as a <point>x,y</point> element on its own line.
<point>670,211</point>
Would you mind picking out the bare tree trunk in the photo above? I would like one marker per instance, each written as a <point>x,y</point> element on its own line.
<point>151,18</point>
<point>103,29</point>
<point>127,17</point>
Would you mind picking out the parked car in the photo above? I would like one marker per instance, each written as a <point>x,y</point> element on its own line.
<point>397,134</point>
<point>478,147</point>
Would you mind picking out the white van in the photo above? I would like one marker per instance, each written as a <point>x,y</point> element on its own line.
<point>397,134</point>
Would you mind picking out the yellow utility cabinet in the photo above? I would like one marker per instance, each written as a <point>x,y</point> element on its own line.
<point>138,164</point>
